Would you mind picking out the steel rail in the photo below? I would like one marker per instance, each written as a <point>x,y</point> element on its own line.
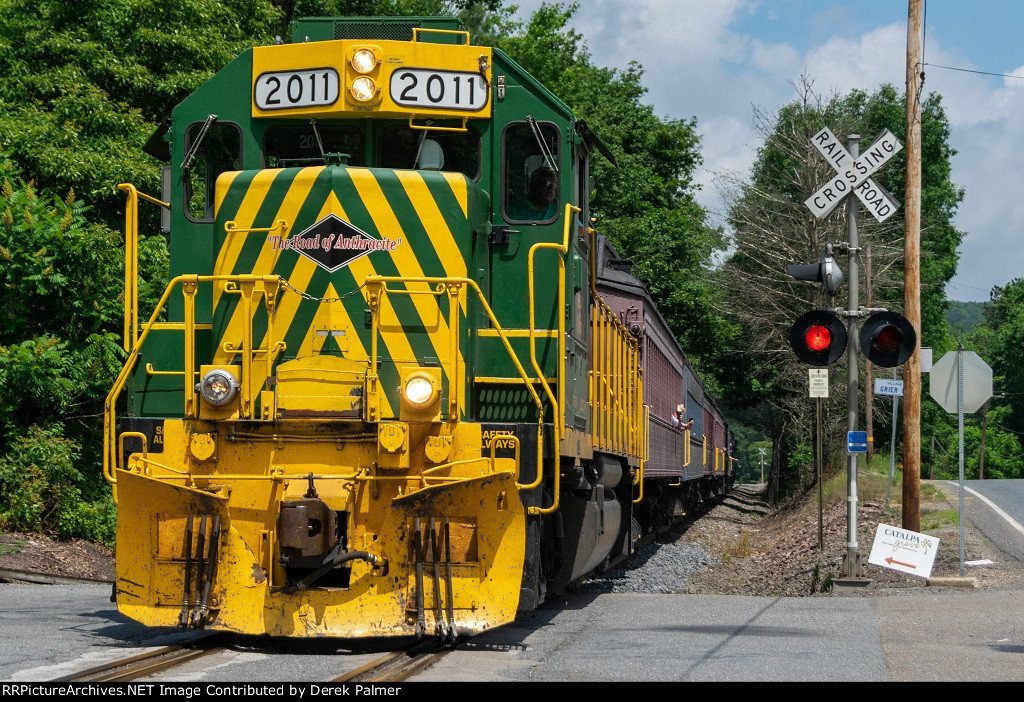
<point>134,667</point>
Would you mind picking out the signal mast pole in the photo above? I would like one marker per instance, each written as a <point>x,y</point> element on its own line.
<point>912,275</point>
<point>851,566</point>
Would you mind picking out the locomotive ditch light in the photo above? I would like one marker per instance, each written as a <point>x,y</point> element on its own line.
<point>419,390</point>
<point>420,393</point>
<point>887,339</point>
<point>218,387</point>
<point>818,337</point>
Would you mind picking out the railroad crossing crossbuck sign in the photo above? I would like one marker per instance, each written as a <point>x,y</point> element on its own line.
<point>854,175</point>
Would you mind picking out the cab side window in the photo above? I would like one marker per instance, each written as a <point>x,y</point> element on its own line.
<point>217,151</point>
<point>530,189</point>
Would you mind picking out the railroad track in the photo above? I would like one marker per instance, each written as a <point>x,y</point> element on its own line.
<point>393,666</point>
<point>400,665</point>
<point>28,576</point>
<point>143,664</point>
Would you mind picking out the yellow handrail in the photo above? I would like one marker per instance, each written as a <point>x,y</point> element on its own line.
<point>189,285</point>
<point>558,420</point>
<point>416,32</point>
<point>131,261</point>
<point>377,286</point>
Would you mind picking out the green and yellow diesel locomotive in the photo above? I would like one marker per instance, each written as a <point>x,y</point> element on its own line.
<point>382,394</point>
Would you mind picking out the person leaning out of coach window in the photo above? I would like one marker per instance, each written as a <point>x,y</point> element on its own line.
<point>677,419</point>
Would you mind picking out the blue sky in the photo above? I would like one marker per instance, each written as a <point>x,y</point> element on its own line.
<point>716,59</point>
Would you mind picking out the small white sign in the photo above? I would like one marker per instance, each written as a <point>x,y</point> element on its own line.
<point>885,386</point>
<point>818,382</point>
<point>904,550</point>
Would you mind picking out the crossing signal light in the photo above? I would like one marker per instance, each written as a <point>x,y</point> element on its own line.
<point>887,339</point>
<point>818,337</point>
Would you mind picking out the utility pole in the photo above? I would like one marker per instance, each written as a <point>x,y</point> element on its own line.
<point>912,274</point>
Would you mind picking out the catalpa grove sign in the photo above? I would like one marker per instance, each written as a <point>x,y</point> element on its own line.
<point>854,175</point>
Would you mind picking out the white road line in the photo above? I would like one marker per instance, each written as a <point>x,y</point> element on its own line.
<point>989,502</point>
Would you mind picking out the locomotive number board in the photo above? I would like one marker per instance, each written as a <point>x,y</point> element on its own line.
<point>281,90</point>
<point>408,80</point>
<point>425,88</point>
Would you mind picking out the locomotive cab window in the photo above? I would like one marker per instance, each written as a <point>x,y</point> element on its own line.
<point>211,148</point>
<point>288,145</point>
<point>530,189</point>
<point>421,149</point>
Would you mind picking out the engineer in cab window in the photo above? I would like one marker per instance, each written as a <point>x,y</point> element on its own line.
<point>539,202</point>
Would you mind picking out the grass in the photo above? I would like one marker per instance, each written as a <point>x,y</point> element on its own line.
<point>872,486</point>
<point>740,548</point>
<point>11,548</point>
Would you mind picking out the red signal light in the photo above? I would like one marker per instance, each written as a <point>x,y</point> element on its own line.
<point>818,337</point>
<point>888,339</point>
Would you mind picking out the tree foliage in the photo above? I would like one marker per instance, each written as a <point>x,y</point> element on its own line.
<point>61,278</point>
<point>83,85</point>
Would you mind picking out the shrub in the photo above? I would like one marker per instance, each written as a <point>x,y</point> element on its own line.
<point>40,489</point>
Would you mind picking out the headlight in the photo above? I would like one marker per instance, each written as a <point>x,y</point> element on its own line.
<point>363,89</point>
<point>419,390</point>
<point>218,387</point>
<point>364,61</point>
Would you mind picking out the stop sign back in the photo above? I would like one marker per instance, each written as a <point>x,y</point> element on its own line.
<point>942,382</point>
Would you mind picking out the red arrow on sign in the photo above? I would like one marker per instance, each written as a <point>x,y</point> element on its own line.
<point>890,560</point>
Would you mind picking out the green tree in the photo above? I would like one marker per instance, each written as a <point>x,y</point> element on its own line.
<point>60,327</point>
<point>83,85</point>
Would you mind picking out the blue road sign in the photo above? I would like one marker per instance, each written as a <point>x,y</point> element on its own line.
<point>856,442</point>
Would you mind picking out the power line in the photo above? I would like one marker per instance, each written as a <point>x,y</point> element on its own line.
<point>969,70</point>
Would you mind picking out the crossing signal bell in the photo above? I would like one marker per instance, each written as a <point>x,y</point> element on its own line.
<point>818,337</point>
<point>826,271</point>
<point>887,339</point>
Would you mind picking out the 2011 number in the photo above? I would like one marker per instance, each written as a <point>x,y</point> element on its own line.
<point>287,89</point>
<point>452,90</point>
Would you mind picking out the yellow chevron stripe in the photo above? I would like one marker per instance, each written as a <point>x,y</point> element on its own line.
<point>230,251</point>
<point>404,258</point>
<point>459,187</point>
<point>437,228</point>
<point>233,243</point>
<point>440,234</point>
<point>224,181</point>
<point>227,257</point>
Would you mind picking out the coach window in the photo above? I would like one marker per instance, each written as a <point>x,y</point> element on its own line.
<point>530,188</point>
<point>402,147</point>
<point>288,145</point>
<point>211,148</point>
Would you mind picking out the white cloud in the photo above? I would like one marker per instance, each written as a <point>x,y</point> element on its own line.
<point>876,57</point>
